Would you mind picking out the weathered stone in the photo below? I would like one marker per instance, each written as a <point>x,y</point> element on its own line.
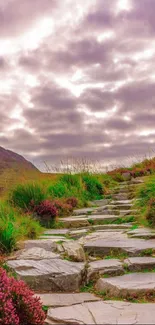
<point>47,244</point>
<point>75,251</point>
<point>35,253</point>
<point>116,244</point>
<point>101,312</point>
<point>97,268</point>
<point>131,212</point>
<point>49,275</point>
<point>126,176</point>
<point>117,206</point>
<point>145,233</point>
<point>55,238</point>
<point>112,226</point>
<point>72,222</point>
<point>56,232</point>
<point>101,202</point>
<point>78,233</point>
<point>126,285</point>
<point>140,263</point>
<point>65,299</point>
<point>83,211</point>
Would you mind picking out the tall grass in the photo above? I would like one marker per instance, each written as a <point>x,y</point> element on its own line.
<point>26,195</point>
<point>145,203</point>
<point>14,226</point>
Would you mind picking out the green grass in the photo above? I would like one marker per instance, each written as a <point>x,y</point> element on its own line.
<point>25,196</point>
<point>87,287</point>
<point>14,226</point>
<point>146,195</point>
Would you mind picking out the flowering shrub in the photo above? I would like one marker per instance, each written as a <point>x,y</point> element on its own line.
<point>73,201</point>
<point>46,211</point>
<point>62,207</point>
<point>18,306</point>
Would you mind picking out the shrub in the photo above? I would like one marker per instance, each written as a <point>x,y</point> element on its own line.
<point>18,306</point>
<point>26,196</point>
<point>93,187</point>
<point>71,180</point>
<point>58,190</point>
<point>47,212</point>
<point>150,213</point>
<point>73,201</point>
<point>64,209</point>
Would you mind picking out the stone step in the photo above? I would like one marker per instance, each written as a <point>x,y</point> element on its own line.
<point>140,263</point>
<point>97,268</point>
<point>65,299</point>
<point>122,202</point>
<point>128,285</point>
<point>103,312</point>
<point>49,275</point>
<point>121,196</point>
<point>141,232</point>
<point>124,226</point>
<point>131,212</point>
<point>101,202</point>
<point>72,222</point>
<point>115,244</point>
<point>56,232</point>
<point>121,206</point>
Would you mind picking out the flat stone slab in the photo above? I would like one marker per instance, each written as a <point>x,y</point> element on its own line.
<point>55,238</point>
<point>140,263</point>
<point>126,285</point>
<point>66,299</point>
<point>142,233</point>
<point>116,243</point>
<point>112,226</point>
<point>72,222</point>
<point>117,206</point>
<point>49,275</point>
<point>47,244</point>
<point>103,312</point>
<point>100,267</point>
<point>84,211</point>
<point>85,221</point>
<point>56,232</point>
<point>76,234</point>
<point>35,253</point>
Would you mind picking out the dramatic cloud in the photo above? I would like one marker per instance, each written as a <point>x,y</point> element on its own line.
<point>77,78</point>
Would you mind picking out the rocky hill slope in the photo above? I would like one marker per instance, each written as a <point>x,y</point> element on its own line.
<point>10,159</point>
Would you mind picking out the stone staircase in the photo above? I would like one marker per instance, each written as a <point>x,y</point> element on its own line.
<point>99,250</point>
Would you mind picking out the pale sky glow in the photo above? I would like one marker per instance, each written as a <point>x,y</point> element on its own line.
<point>77,78</point>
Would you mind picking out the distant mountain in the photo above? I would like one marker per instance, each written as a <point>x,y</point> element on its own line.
<point>11,160</point>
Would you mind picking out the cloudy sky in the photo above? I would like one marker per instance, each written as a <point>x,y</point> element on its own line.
<point>77,78</point>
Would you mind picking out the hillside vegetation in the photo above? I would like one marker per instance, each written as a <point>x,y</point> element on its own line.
<point>35,200</point>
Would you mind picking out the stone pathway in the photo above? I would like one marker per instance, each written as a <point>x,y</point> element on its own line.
<point>99,250</point>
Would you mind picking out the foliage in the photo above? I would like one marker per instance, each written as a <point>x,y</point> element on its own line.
<point>58,190</point>
<point>26,196</point>
<point>62,207</point>
<point>73,201</point>
<point>150,213</point>
<point>13,227</point>
<point>18,306</point>
<point>93,186</point>
<point>146,198</point>
<point>47,212</point>
<point>71,180</point>
<point>143,168</point>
